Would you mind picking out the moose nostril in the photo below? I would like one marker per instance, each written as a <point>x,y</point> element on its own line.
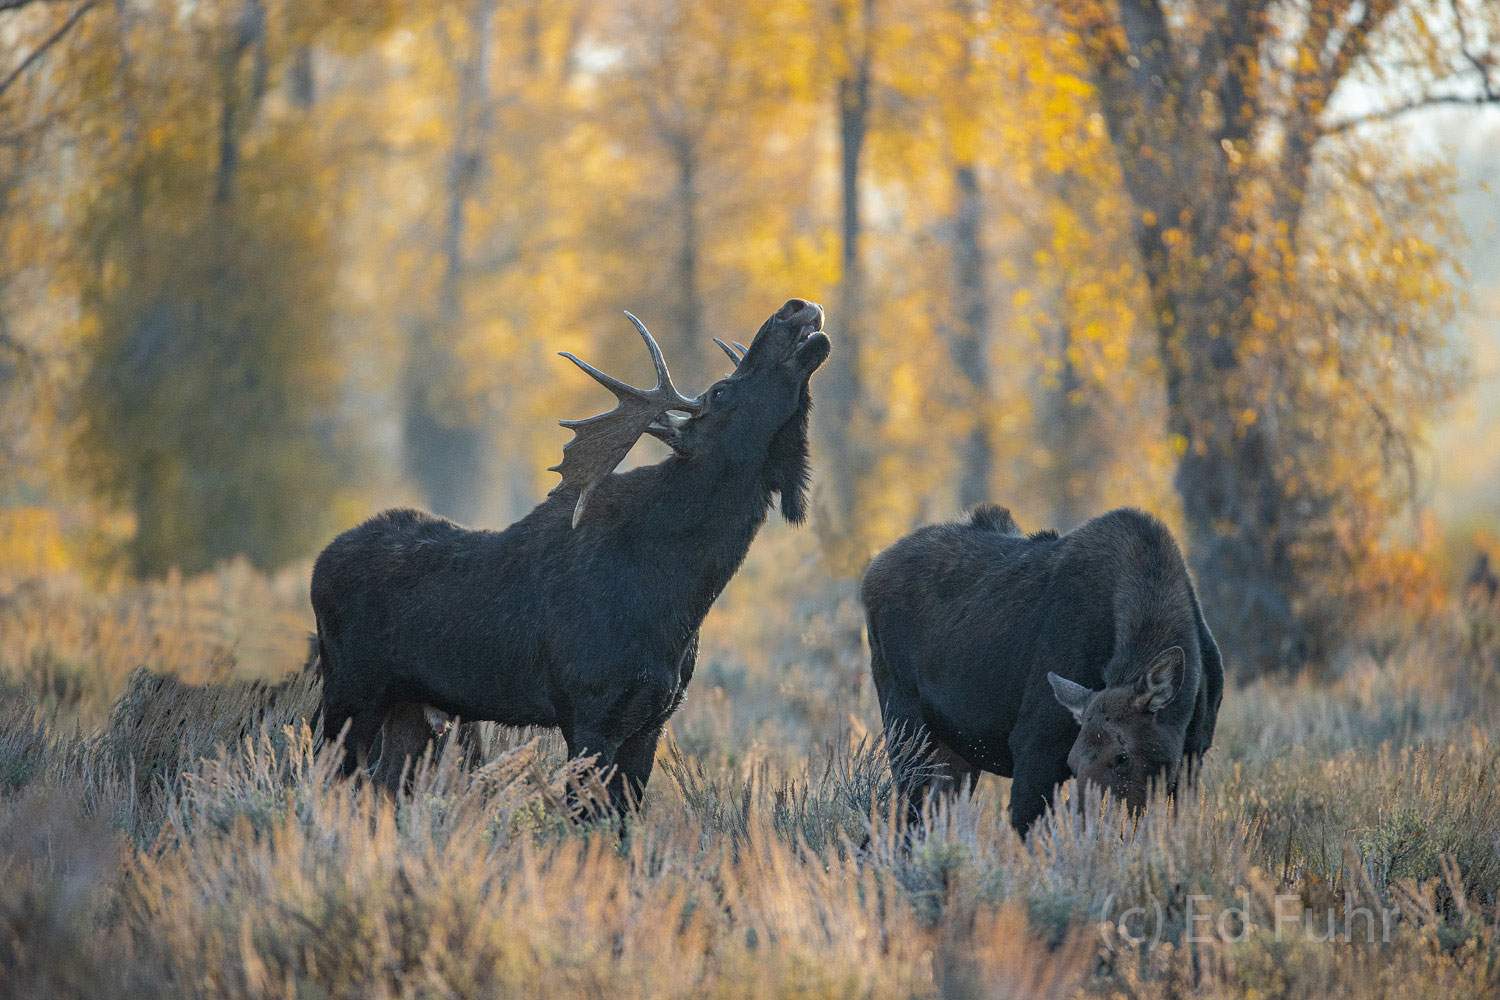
<point>792,308</point>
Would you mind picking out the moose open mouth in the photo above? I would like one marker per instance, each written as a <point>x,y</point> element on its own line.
<point>790,343</point>
<point>811,326</point>
<point>808,322</point>
<point>792,336</point>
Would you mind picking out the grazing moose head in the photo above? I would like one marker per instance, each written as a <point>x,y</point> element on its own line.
<point>758,413</point>
<point>1122,745</point>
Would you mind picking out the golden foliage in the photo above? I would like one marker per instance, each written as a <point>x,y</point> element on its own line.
<point>425,203</point>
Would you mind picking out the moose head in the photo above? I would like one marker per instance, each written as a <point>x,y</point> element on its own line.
<point>1122,743</point>
<point>756,414</point>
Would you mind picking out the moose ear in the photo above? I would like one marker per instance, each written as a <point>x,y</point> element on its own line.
<point>788,468</point>
<point>1158,685</point>
<point>1074,697</point>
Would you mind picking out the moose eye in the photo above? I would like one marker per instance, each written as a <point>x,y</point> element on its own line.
<point>718,393</point>
<point>1121,760</point>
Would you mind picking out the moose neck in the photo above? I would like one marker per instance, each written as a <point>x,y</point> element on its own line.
<point>703,533</point>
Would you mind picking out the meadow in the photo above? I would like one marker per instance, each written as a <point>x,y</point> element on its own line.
<point>175,831</point>
<point>268,266</point>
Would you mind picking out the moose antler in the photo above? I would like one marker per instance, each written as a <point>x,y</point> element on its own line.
<point>736,358</point>
<point>601,442</point>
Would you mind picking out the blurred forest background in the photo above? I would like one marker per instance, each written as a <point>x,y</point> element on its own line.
<point>267,266</point>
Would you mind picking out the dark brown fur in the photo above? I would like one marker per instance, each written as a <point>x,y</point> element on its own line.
<point>967,620</point>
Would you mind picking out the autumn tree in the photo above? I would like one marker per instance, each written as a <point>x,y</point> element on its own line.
<point>1219,114</point>
<point>203,259</point>
<point>33,104</point>
<point>470,200</point>
<point>671,89</point>
<point>1047,231</point>
<point>443,442</point>
<point>703,122</point>
<point>1001,231</point>
<point>853,28</point>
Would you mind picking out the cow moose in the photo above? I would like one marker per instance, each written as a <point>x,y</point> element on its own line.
<point>584,614</point>
<point>1036,656</point>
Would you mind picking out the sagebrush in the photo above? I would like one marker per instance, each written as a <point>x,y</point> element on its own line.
<point>194,840</point>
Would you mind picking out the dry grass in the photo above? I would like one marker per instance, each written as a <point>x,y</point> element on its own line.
<point>183,836</point>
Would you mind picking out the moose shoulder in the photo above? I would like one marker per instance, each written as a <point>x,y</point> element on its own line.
<point>584,614</point>
<point>1040,656</point>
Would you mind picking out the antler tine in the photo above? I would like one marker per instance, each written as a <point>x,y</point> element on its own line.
<point>663,377</point>
<point>601,442</point>
<point>740,347</point>
<point>736,358</point>
<point>614,385</point>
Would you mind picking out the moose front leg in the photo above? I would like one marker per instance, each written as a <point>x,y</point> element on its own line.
<point>585,743</point>
<point>621,733</point>
<point>633,764</point>
<point>1031,794</point>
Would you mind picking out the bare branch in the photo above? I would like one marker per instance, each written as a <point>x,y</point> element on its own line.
<point>1481,64</point>
<point>1354,47</point>
<point>1417,104</point>
<point>50,41</point>
<point>1356,43</point>
<point>6,5</point>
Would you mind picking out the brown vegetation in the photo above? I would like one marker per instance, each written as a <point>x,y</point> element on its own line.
<point>192,842</point>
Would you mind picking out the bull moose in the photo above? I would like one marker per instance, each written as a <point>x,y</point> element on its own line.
<point>1043,655</point>
<point>584,614</point>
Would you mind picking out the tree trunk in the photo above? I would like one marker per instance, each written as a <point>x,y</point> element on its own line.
<point>689,297</point>
<point>302,80</point>
<point>1232,499</point>
<point>971,341</point>
<point>841,387</point>
<point>1181,170</point>
<point>249,36</point>
<point>445,451</point>
<point>1069,427</point>
<point>1071,437</point>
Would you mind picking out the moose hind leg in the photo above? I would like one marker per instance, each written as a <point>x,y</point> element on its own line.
<point>944,773</point>
<point>951,773</point>
<point>359,740</point>
<point>909,746</point>
<point>403,739</point>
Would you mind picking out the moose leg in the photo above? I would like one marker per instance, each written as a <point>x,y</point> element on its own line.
<point>403,739</point>
<point>1032,790</point>
<point>633,764</point>
<point>906,746</point>
<point>592,743</point>
<point>939,772</point>
<point>923,765</point>
<point>951,773</point>
<point>360,738</point>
